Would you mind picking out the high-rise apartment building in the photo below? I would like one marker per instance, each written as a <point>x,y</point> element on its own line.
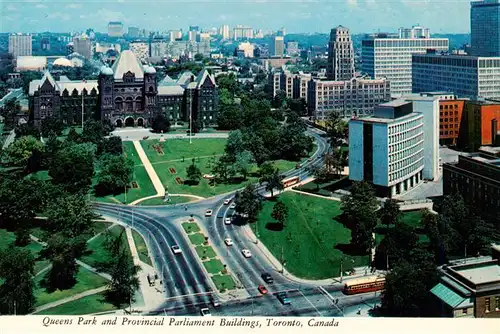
<point>389,57</point>
<point>354,97</point>
<point>175,35</point>
<point>391,149</point>
<point>115,29</point>
<point>465,76</point>
<point>20,45</point>
<point>45,43</point>
<point>340,55</point>
<point>82,45</point>
<point>133,32</point>
<point>485,28</point>
<point>140,50</point>
<point>240,32</point>
<point>414,32</point>
<point>225,32</point>
<point>279,46</point>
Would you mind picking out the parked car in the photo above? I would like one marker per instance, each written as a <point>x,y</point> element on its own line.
<point>176,249</point>
<point>228,241</point>
<point>283,298</point>
<point>205,312</point>
<point>208,213</point>
<point>227,201</point>
<point>267,278</point>
<point>227,221</point>
<point>246,253</point>
<point>233,206</point>
<point>262,289</point>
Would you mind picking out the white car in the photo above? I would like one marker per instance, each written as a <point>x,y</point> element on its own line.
<point>208,213</point>
<point>227,221</point>
<point>233,206</point>
<point>176,249</point>
<point>228,241</point>
<point>246,253</point>
<point>205,312</point>
<point>227,201</point>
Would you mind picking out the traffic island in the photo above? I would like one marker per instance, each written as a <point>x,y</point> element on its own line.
<point>216,270</point>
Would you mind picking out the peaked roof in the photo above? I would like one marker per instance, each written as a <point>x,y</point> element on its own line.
<point>167,81</point>
<point>50,78</point>
<point>202,77</point>
<point>127,61</point>
<point>185,77</point>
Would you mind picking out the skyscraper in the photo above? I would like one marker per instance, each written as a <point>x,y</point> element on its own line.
<point>340,55</point>
<point>83,46</point>
<point>485,28</point>
<point>115,29</point>
<point>279,46</point>
<point>20,45</point>
<point>224,31</point>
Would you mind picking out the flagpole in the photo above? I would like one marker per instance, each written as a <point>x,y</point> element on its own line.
<point>83,92</point>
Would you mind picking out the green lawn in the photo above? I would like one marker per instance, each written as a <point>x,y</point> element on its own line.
<point>412,218</point>
<point>100,226</point>
<point>97,246</point>
<point>175,149</point>
<point>86,280</point>
<point>205,251</point>
<point>86,305</point>
<point>173,200</point>
<point>131,153</point>
<point>197,239</point>
<point>190,227</point>
<point>223,282</point>
<point>310,237</point>
<point>142,249</point>
<point>214,266</point>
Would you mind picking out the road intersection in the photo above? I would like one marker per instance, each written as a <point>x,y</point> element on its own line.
<point>185,283</point>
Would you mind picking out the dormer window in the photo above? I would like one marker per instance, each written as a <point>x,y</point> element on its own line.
<point>129,77</point>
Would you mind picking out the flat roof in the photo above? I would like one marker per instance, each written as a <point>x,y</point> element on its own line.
<point>481,275</point>
<point>394,103</point>
<point>373,119</point>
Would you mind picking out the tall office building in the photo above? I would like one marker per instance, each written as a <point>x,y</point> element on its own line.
<point>485,28</point>
<point>385,56</point>
<point>115,29</point>
<point>20,45</point>
<point>83,46</point>
<point>45,43</point>
<point>279,46</point>
<point>340,55</point>
<point>225,32</point>
<point>466,76</point>
<point>240,32</point>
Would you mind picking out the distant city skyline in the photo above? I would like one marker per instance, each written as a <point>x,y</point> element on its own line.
<point>297,16</point>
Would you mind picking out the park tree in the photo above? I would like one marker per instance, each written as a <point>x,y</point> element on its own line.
<point>52,146</point>
<point>196,126</point>
<point>243,163</point>
<point>229,82</point>
<point>390,213</point>
<point>336,130</point>
<point>298,105</point>
<point>9,112</point>
<point>397,245</point>
<point>73,167</point>
<point>193,173</point>
<point>111,145</point>
<point>272,181</point>
<point>320,175</point>
<point>294,143</point>
<point>124,274</point>
<point>51,124</point>
<point>279,99</point>
<point>160,124</point>
<point>115,174</point>
<point>234,145</point>
<point>198,57</point>
<point>255,144</point>
<point>17,267</point>
<point>221,168</point>
<point>230,118</point>
<point>280,213</point>
<point>248,202</point>
<point>73,136</point>
<point>439,240</point>
<point>407,287</point>
<point>18,153</point>
<point>27,129</point>
<point>93,131</point>
<point>360,212</point>
<point>335,160</point>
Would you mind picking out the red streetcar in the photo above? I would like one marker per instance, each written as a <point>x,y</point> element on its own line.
<point>364,284</point>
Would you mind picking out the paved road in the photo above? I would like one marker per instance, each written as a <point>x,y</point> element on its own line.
<point>129,134</point>
<point>186,285</point>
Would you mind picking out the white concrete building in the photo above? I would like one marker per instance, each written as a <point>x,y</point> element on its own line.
<point>392,149</point>
<point>391,58</point>
<point>20,45</point>
<point>466,76</point>
<point>141,50</point>
<point>247,48</point>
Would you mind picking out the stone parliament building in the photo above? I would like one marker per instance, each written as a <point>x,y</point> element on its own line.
<point>127,94</point>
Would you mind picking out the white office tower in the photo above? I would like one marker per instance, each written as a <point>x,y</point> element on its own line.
<point>340,55</point>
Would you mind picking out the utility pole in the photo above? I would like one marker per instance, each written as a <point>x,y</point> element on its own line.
<point>341,269</point>
<point>282,261</point>
<point>190,122</point>
<point>15,308</point>
<point>83,92</point>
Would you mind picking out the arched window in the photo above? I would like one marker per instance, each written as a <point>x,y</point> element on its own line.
<point>129,104</point>
<point>138,103</point>
<point>119,103</point>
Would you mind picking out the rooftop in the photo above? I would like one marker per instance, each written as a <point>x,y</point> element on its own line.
<point>482,275</point>
<point>373,119</point>
<point>486,159</point>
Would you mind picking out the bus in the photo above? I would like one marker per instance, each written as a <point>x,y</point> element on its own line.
<point>290,181</point>
<point>364,284</point>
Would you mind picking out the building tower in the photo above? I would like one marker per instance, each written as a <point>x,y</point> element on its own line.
<point>340,55</point>
<point>105,84</point>
<point>150,92</point>
<point>20,45</point>
<point>485,28</point>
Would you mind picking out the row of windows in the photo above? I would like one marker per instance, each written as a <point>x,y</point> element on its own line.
<point>399,128</point>
<point>407,171</point>
<point>487,305</point>
<point>409,159</point>
<point>406,152</point>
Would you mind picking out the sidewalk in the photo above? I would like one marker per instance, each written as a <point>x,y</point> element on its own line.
<point>160,189</point>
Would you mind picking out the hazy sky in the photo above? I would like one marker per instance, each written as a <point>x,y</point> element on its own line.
<point>295,15</point>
